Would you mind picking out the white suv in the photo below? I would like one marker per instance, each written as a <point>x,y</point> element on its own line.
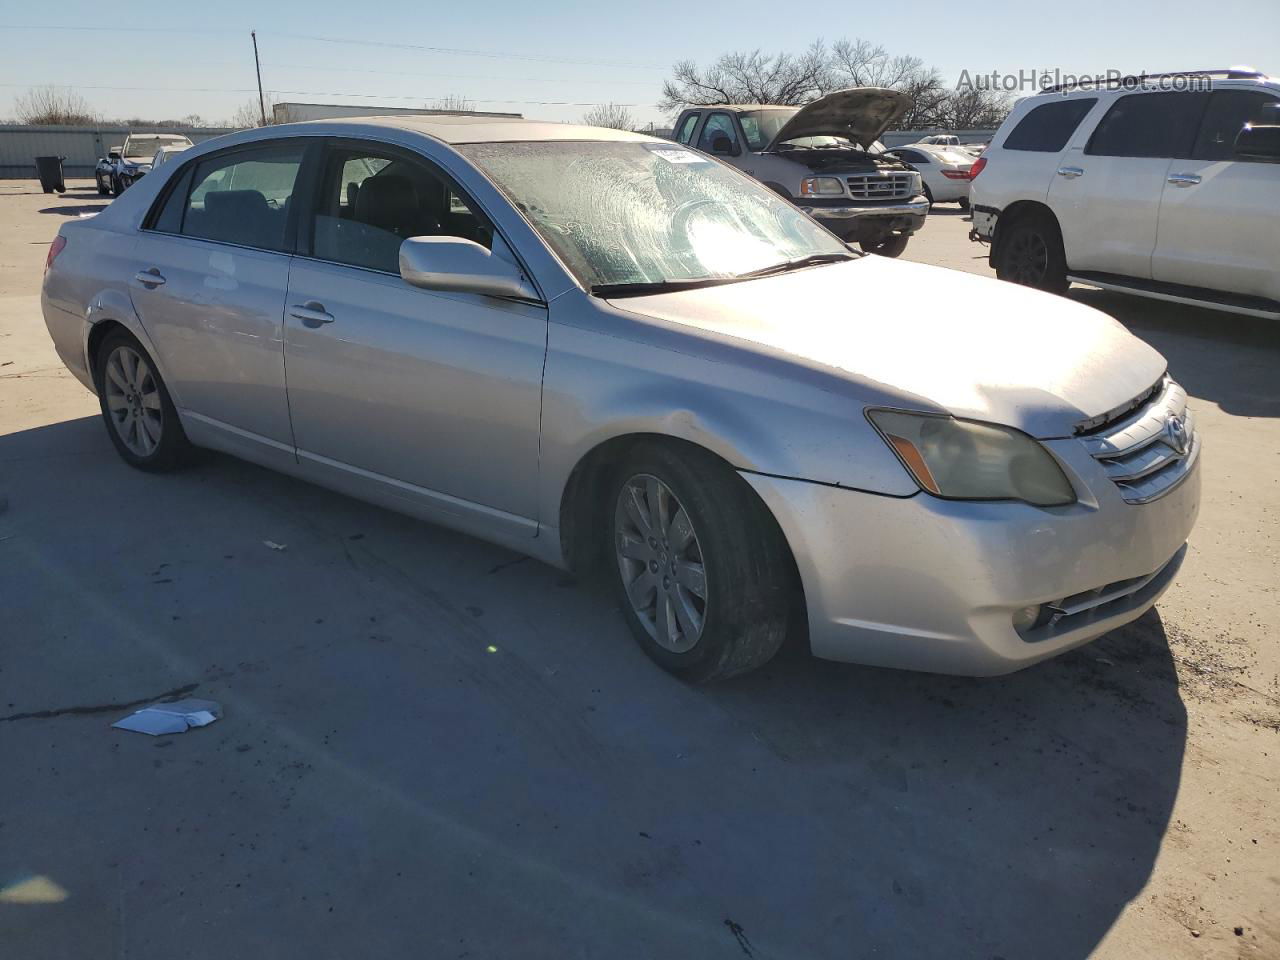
<point>1137,187</point>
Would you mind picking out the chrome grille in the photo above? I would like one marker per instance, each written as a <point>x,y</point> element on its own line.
<point>880,186</point>
<point>1148,450</point>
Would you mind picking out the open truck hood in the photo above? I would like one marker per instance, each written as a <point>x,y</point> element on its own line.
<point>1014,355</point>
<point>861,114</point>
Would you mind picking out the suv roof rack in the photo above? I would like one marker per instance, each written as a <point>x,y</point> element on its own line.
<point>1229,73</point>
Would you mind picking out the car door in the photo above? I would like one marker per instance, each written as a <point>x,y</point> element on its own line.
<point>431,396</point>
<point>1107,195</point>
<point>719,126</point>
<point>212,271</point>
<point>1218,212</point>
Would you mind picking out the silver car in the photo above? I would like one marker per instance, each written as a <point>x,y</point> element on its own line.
<point>616,354</point>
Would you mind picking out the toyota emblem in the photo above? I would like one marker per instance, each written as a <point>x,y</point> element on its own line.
<point>1175,435</point>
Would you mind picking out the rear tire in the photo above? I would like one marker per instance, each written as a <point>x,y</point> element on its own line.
<point>964,204</point>
<point>139,414</point>
<point>701,568</point>
<point>1031,254</point>
<point>928,195</point>
<point>888,247</point>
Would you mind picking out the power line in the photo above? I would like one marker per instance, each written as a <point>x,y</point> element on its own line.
<point>329,68</point>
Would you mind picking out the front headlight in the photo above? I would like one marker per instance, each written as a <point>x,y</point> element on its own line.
<point>966,460</point>
<point>821,187</point>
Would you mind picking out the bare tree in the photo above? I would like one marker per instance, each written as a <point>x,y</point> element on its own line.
<point>973,108</point>
<point>610,115</point>
<point>860,63</point>
<point>752,77</point>
<point>249,113</point>
<point>455,102</point>
<point>53,105</point>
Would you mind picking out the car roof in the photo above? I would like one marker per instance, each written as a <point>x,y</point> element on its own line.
<point>460,129</point>
<point>741,106</point>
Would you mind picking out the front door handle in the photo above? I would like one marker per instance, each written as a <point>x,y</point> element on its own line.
<point>311,313</point>
<point>1183,179</point>
<point>150,278</point>
<point>1071,172</point>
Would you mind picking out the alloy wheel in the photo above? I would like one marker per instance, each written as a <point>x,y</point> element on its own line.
<point>133,401</point>
<point>1028,258</point>
<point>661,563</point>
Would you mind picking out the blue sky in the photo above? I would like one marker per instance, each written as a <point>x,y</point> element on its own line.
<point>196,58</point>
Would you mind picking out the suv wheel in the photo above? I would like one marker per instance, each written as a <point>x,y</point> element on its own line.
<point>1032,255</point>
<point>888,247</point>
<point>701,570</point>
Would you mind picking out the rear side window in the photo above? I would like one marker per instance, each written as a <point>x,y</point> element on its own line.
<point>912,156</point>
<point>243,197</point>
<point>1228,112</point>
<point>1048,127</point>
<point>686,128</point>
<point>1149,125</point>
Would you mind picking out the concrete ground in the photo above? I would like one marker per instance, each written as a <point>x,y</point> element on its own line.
<point>433,748</point>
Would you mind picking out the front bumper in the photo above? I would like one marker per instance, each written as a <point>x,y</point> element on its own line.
<point>845,217</point>
<point>922,583</point>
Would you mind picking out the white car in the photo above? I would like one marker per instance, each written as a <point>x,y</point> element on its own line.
<point>945,171</point>
<point>166,153</point>
<point>1139,187</point>
<point>127,164</point>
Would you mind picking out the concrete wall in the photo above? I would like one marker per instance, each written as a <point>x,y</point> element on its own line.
<point>82,146</point>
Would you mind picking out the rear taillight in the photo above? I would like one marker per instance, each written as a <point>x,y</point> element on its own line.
<point>55,248</point>
<point>957,174</point>
<point>978,166</point>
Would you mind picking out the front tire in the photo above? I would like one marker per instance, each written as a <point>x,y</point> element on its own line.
<point>117,186</point>
<point>702,573</point>
<point>103,191</point>
<point>1032,255</point>
<point>888,247</point>
<point>136,407</point>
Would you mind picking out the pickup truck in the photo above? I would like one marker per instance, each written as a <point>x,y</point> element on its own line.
<point>124,165</point>
<point>825,158</point>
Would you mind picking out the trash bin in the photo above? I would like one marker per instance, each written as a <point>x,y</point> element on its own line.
<point>50,170</point>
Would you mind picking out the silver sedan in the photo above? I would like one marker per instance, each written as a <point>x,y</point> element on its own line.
<point>621,356</point>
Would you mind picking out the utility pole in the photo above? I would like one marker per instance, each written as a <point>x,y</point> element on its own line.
<point>262,104</point>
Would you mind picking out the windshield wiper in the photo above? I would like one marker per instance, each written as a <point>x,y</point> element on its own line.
<point>798,264</point>
<point>644,288</point>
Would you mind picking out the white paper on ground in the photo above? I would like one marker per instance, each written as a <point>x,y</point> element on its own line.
<point>176,717</point>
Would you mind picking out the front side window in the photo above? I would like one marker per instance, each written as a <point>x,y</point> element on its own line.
<point>1226,116</point>
<point>370,202</point>
<point>1149,125</point>
<point>1048,127</point>
<point>718,125</point>
<point>761,126</point>
<point>686,128</point>
<point>642,213</point>
<point>243,197</point>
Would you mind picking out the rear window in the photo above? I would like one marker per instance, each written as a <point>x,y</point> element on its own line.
<point>1048,127</point>
<point>1149,125</point>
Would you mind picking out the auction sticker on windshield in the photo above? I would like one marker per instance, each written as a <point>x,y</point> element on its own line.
<point>675,155</point>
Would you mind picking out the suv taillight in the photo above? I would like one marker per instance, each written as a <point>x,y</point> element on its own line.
<point>978,166</point>
<point>55,248</point>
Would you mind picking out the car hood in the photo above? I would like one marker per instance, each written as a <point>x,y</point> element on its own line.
<point>1008,354</point>
<point>860,113</point>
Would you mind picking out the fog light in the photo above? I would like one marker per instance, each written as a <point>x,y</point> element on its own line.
<point>1025,618</point>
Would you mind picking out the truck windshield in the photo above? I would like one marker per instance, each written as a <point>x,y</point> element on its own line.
<point>761,126</point>
<point>620,213</point>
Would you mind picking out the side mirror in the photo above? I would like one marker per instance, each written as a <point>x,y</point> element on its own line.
<point>722,145</point>
<point>463,266</point>
<point>113,155</point>
<point>1258,142</point>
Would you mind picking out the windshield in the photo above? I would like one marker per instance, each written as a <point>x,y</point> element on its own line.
<point>643,213</point>
<point>761,126</point>
<point>147,146</point>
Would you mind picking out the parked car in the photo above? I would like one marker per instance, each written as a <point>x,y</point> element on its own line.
<point>945,171</point>
<point>940,140</point>
<point>1171,194</point>
<point>164,154</point>
<point>823,158</point>
<point>125,165</point>
<point>617,354</point>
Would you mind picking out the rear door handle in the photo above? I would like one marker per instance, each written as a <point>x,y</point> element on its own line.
<point>312,314</point>
<point>1183,179</point>
<point>1071,172</point>
<point>151,277</point>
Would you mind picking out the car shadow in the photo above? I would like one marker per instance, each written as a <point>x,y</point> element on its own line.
<point>488,727</point>
<point>1238,373</point>
<point>75,210</point>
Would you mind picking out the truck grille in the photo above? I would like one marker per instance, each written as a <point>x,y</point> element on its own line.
<point>884,185</point>
<point>1149,449</point>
